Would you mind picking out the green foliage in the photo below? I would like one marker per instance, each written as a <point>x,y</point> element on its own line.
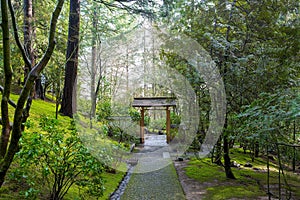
<point>117,133</point>
<point>175,119</point>
<point>104,110</point>
<point>28,180</point>
<point>244,39</point>
<point>147,120</point>
<point>158,124</point>
<point>60,160</point>
<point>134,114</point>
<point>270,117</point>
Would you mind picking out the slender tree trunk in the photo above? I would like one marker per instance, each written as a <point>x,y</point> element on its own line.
<point>57,97</point>
<point>68,106</point>
<point>227,162</point>
<point>218,153</point>
<point>28,34</point>
<point>256,149</point>
<point>294,148</point>
<point>93,67</point>
<point>39,91</point>
<point>8,81</point>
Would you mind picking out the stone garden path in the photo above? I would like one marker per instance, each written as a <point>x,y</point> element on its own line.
<point>154,177</point>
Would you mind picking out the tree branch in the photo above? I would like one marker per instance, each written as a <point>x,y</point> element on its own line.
<point>16,35</point>
<point>1,123</point>
<point>11,102</point>
<point>120,4</point>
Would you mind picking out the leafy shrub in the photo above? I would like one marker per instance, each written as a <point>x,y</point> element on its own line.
<point>60,159</point>
<point>104,110</point>
<point>175,119</point>
<point>158,124</point>
<point>134,114</point>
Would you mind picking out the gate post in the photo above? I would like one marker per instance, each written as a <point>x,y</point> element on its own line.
<point>168,125</point>
<point>142,124</point>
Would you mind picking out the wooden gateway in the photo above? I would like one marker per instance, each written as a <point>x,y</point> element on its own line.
<point>145,103</point>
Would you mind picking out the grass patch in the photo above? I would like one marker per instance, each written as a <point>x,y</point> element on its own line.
<point>38,109</point>
<point>204,171</point>
<point>250,182</point>
<point>111,182</point>
<point>227,192</point>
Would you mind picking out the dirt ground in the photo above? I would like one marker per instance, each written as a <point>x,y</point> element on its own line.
<point>192,188</point>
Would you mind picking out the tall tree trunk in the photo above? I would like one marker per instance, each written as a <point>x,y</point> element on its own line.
<point>218,153</point>
<point>68,106</point>
<point>93,67</point>
<point>256,149</point>
<point>39,91</point>
<point>227,162</point>
<point>28,34</point>
<point>8,80</point>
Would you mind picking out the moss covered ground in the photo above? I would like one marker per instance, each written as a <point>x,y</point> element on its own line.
<point>250,182</point>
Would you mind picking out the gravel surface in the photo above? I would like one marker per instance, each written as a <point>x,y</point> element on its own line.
<point>160,184</point>
<point>154,177</point>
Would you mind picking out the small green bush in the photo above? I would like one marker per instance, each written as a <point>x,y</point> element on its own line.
<point>60,160</point>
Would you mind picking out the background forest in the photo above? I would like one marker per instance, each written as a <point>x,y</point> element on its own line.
<point>55,68</point>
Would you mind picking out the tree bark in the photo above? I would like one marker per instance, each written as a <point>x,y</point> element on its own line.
<point>39,90</point>
<point>218,153</point>
<point>8,81</point>
<point>28,33</point>
<point>68,106</point>
<point>256,149</point>
<point>93,67</point>
<point>227,162</point>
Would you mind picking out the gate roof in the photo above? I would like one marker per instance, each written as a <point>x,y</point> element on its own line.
<point>154,102</point>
